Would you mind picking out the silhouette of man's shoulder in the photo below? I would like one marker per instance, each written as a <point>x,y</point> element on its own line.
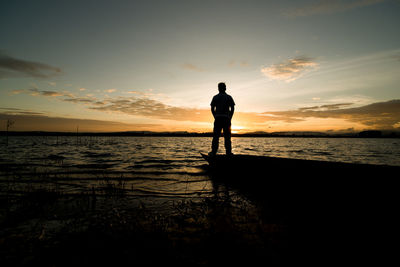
<point>222,98</point>
<point>230,99</point>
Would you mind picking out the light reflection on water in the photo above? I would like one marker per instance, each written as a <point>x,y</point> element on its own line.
<point>166,167</point>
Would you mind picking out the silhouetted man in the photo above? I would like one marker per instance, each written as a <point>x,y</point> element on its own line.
<point>222,108</point>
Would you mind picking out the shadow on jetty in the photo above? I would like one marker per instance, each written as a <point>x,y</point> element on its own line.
<point>335,212</point>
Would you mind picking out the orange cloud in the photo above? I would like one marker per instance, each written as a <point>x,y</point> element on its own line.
<point>189,66</point>
<point>290,69</point>
<point>381,115</point>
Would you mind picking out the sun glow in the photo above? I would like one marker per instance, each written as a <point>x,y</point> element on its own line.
<point>236,129</point>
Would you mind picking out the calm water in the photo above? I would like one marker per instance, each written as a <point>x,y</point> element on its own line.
<point>164,167</point>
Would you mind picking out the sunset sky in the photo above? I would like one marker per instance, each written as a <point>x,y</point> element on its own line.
<point>313,65</point>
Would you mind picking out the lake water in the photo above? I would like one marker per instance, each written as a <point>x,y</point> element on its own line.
<point>168,168</point>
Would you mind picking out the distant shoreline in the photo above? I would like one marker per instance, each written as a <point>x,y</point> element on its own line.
<point>363,134</point>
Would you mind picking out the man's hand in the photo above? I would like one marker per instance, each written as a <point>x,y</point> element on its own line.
<point>232,111</point>
<point>213,111</point>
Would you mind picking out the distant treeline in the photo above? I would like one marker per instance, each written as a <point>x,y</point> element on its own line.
<point>363,134</point>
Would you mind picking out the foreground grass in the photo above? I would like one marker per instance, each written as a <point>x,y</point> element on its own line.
<point>47,227</point>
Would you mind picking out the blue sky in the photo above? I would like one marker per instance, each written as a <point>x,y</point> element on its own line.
<point>155,64</point>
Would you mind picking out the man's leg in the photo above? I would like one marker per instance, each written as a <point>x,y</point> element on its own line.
<point>216,134</point>
<point>227,136</point>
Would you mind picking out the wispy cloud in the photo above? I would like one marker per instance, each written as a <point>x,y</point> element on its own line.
<point>290,69</point>
<point>143,106</point>
<point>12,67</point>
<point>37,92</point>
<point>328,7</point>
<point>381,115</point>
<point>112,90</point>
<point>17,91</point>
<point>192,67</point>
<point>18,111</point>
<point>84,100</point>
<point>325,107</point>
<point>234,63</point>
<point>26,120</point>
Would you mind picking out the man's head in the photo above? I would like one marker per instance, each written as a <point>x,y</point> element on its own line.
<point>221,87</point>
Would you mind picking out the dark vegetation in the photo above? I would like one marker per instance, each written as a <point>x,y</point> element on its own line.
<point>42,224</point>
<point>290,212</point>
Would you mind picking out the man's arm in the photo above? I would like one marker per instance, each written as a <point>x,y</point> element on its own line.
<point>232,111</point>
<point>232,106</point>
<point>213,111</point>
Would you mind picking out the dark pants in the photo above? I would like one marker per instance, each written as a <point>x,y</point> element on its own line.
<point>219,124</point>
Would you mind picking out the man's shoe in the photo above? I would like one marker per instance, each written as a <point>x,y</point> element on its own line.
<point>229,154</point>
